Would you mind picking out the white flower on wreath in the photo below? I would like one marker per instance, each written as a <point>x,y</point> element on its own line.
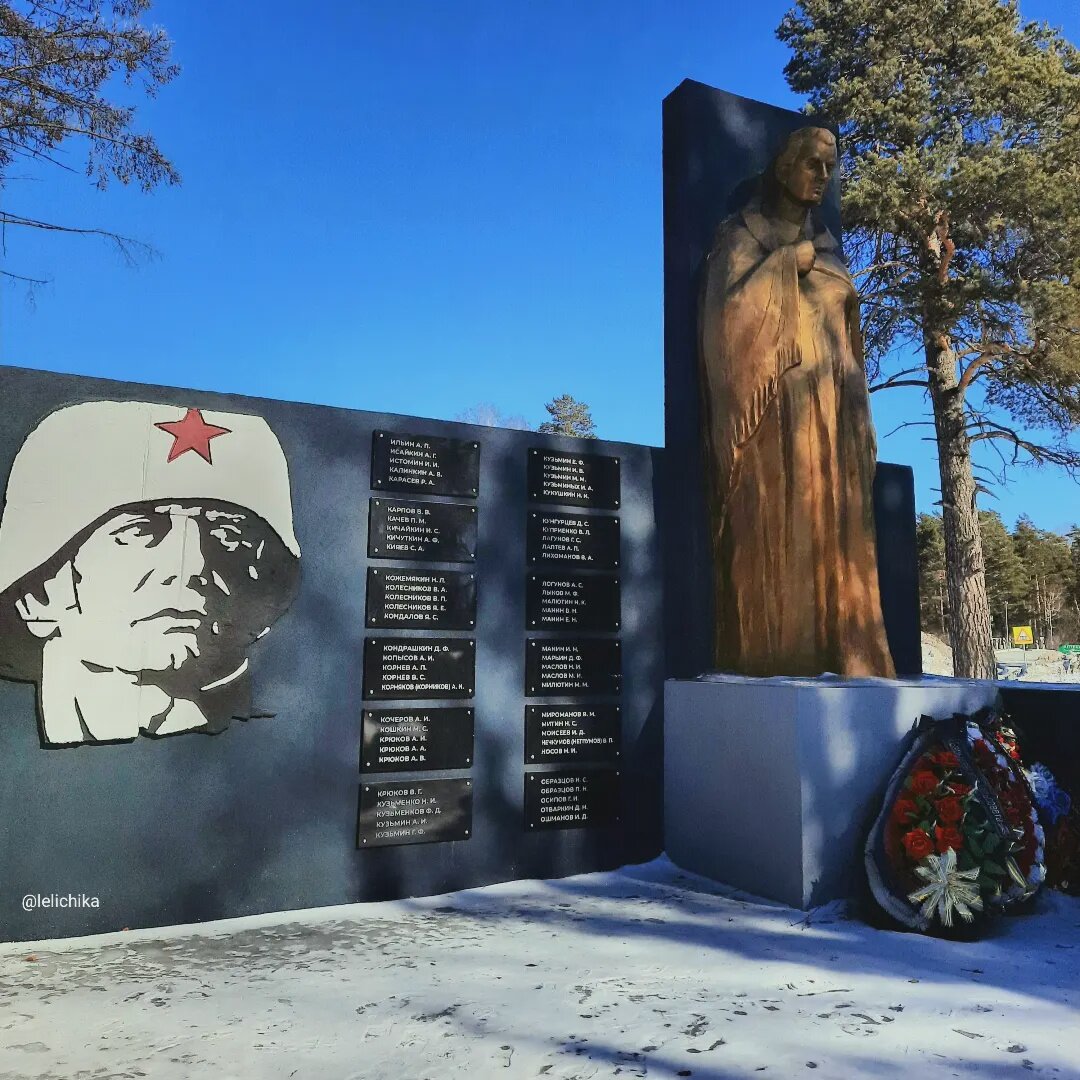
<point>947,889</point>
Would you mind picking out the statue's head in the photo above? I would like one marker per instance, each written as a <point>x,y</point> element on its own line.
<point>805,165</point>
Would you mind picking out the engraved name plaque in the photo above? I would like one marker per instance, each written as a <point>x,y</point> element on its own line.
<point>572,602</point>
<point>424,464</point>
<point>414,740</point>
<point>561,733</point>
<point>568,668</point>
<point>574,479</point>
<point>402,668</point>
<point>571,799</point>
<point>573,539</point>
<point>414,812</point>
<point>428,531</point>
<point>439,599</point>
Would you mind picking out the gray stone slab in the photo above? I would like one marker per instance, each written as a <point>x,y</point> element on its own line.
<point>770,785</point>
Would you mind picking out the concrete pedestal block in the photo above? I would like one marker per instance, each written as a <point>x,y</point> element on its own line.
<point>770,785</point>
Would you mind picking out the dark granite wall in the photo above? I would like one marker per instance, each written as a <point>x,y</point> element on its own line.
<point>1047,721</point>
<point>263,816</point>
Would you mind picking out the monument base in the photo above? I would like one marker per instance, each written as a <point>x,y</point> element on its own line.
<point>771,785</point>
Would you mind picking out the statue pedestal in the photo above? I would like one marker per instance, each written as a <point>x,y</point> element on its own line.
<point>771,785</point>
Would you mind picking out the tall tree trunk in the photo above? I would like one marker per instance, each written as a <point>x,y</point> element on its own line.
<point>965,574</point>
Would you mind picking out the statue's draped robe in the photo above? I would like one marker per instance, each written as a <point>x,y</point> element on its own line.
<point>790,456</point>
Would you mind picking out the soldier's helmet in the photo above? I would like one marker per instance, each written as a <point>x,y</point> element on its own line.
<point>84,462</point>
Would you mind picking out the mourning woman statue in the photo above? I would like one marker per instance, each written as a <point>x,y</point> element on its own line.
<point>789,442</point>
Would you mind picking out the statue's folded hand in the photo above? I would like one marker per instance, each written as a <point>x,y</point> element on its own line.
<point>805,256</point>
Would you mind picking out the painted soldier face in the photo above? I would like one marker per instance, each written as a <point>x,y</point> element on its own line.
<point>143,549</point>
<point>807,177</point>
<point>157,587</point>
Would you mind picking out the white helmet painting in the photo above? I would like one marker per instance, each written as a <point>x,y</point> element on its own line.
<point>143,549</point>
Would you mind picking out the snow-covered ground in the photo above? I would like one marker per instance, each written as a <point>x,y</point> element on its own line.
<point>642,972</point>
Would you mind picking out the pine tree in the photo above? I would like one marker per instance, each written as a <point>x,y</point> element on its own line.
<point>1048,575</point>
<point>1006,584</point>
<point>930,546</point>
<point>568,417</point>
<point>59,65</point>
<point>1074,580</point>
<point>960,162</point>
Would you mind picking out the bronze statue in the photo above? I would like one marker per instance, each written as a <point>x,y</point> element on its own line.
<point>789,443</point>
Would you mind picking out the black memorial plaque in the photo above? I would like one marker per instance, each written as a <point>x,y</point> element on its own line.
<point>571,799</point>
<point>569,668</point>
<point>574,479</point>
<point>573,539</point>
<point>572,602</point>
<point>414,812</point>
<point>398,668</point>
<point>432,599</point>
<point>416,740</point>
<point>428,531</point>
<point>424,464</point>
<point>560,733</point>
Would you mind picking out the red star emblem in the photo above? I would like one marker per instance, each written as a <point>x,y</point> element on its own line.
<point>192,433</point>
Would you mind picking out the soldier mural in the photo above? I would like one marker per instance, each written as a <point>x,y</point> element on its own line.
<point>143,550</point>
<point>790,451</point>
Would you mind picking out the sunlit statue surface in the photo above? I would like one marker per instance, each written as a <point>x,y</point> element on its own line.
<point>789,442</point>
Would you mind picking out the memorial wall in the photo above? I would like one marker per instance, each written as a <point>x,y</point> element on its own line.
<point>257,655</point>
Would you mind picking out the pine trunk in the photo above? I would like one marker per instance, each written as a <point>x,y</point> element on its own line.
<point>965,574</point>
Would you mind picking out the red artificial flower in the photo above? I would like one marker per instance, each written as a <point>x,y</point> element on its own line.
<point>948,838</point>
<point>924,782</point>
<point>1006,739</point>
<point>950,811</point>
<point>918,844</point>
<point>903,809</point>
<point>959,789</point>
<point>947,759</point>
<point>1013,816</point>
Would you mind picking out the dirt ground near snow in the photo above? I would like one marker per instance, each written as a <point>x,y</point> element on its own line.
<point>647,972</point>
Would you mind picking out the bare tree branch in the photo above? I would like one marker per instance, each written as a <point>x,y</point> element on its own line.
<point>131,249</point>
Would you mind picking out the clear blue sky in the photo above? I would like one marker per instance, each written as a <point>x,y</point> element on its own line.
<point>415,207</point>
